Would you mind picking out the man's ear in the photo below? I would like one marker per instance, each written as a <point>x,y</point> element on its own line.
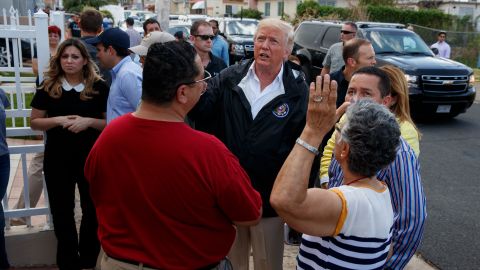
<point>286,54</point>
<point>112,50</point>
<point>393,101</point>
<point>388,101</point>
<point>351,61</point>
<point>181,94</point>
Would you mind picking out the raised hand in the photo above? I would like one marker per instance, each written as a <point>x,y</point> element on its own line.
<point>321,114</point>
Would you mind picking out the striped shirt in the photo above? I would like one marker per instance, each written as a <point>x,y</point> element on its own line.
<point>362,236</point>
<point>403,179</point>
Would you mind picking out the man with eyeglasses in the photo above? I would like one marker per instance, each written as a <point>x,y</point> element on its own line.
<point>334,60</point>
<point>201,36</point>
<point>258,110</point>
<point>441,45</point>
<point>174,194</point>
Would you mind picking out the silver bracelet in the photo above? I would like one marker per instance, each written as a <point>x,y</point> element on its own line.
<point>308,146</point>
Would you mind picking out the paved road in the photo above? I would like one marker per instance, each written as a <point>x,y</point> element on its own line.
<point>450,160</point>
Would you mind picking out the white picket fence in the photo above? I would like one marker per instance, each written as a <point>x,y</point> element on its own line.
<point>13,63</point>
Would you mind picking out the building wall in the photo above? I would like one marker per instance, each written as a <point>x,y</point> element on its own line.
<point>289,8</point>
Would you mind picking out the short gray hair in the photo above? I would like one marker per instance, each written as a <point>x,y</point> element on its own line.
<point>373,134</point>
<point>286,28</point>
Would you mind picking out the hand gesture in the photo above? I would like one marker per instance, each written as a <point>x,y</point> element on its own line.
<point>322,105</point>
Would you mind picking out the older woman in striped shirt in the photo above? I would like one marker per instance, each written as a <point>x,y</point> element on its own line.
<point>349,226</point>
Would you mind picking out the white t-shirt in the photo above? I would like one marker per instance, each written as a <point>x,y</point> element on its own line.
<point>362,237</point>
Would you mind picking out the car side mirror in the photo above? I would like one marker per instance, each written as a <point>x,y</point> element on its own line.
<point>435,51</point>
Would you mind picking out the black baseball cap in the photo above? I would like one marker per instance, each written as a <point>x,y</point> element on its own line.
<point>111,37</point>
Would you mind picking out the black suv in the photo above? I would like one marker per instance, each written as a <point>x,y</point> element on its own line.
<point>239,35</point>
<point>437,85</point>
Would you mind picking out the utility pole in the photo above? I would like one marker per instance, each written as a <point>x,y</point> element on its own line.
<point>162,8</point>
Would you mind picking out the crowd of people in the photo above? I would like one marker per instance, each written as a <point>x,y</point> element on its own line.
<point>184,162</point>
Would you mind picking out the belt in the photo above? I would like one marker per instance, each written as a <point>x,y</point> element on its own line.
<point>131,262</point>
<point>208,267</point>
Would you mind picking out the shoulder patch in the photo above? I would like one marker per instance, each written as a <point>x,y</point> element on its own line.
<point>281,111</point>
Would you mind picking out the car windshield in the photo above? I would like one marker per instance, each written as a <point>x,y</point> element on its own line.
<point>397,42</point>
<point>244,28</point>
<point>185,29</point>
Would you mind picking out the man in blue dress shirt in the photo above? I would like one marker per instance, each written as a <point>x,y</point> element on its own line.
<point>126,89</point>
<point>219,44</point>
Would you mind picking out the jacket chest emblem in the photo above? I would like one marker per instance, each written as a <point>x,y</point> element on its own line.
<point>281,111</point>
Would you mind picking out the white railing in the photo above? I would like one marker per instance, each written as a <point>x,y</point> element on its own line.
<point>17,38</point>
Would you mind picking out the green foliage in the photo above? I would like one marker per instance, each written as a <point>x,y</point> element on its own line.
<point>426,17</point>
<point>376,12</point>
<point>377,2</point>
<point>309,10</point>
<point>314,10</point>
<point>249,13</point>
<point>460,31</point>
<point>18,120</point>
<point>106,14</point>
<point>78,5</point>
<point>308,7</point>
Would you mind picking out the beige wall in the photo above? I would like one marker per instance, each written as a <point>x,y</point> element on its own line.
<point>290,8</point>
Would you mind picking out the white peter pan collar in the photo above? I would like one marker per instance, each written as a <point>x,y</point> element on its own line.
<point>67,87</point>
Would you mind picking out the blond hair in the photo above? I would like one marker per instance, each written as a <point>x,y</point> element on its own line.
<point>286,28</point>
<point>399,90</point>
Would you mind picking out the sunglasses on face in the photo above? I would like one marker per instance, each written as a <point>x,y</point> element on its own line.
<point>345,32</point>
<point>205,37</point>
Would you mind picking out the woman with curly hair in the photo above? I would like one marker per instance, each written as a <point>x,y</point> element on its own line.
<point>70,107</point>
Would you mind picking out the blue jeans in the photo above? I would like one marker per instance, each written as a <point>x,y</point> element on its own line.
<point>4,175</point>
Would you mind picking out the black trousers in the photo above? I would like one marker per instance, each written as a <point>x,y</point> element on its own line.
<point>4,175</point>
<point>74,251</point>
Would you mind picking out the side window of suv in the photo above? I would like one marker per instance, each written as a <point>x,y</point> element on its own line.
<point>309,35</point>
<point>332,35</point>
<point>409,44</point>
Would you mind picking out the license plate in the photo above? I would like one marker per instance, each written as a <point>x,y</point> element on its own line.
<point>444,108</point>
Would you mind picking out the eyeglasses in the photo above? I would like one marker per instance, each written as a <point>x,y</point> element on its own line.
<point>345,32</point>
<point>205,37</point>
<point>206,76</point>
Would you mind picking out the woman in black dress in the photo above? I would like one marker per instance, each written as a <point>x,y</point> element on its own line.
<point>70,106</point>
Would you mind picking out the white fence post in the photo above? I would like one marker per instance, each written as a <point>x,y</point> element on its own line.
<point>15,36</point>
<point>58,19</point>
<point>41,33</point>
<point>16,46</point>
